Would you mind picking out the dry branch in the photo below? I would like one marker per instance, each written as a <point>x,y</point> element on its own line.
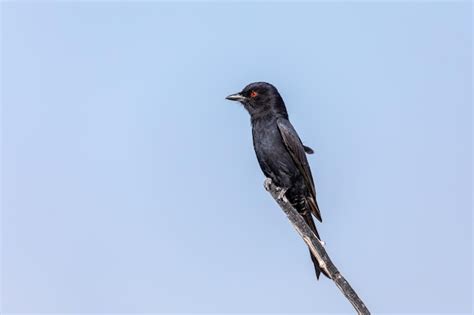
<point>316,248</point>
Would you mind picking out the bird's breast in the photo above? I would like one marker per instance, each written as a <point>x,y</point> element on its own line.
<point>267,138</point>
<point>272,154</point>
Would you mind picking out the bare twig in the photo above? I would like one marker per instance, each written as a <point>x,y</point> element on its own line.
<point>316,248</point>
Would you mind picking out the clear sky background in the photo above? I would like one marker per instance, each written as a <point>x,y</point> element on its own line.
<point>129,184</point>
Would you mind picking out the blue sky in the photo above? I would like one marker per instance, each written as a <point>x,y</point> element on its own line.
<point>129,184</point>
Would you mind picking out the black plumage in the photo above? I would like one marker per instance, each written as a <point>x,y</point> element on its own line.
<point>279,150</point>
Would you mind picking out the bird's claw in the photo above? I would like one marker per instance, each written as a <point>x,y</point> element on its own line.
<point>267,183</point>
<point>281,191</point>
<point>281,194</point>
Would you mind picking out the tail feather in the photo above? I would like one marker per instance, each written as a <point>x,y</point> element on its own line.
<point>309,220</point>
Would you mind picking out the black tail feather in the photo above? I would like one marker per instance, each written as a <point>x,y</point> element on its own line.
<point>309,220</point>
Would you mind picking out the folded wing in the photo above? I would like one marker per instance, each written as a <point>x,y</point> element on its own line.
<point>297,151</point>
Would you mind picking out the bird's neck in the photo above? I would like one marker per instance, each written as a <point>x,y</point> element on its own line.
<point>267,116</point>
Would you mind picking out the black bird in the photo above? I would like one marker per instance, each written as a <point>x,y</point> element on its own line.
<point>280,152</point>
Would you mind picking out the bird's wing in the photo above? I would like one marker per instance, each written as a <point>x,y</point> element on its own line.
<point>297,151</point>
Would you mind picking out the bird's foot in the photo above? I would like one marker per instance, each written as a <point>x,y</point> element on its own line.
<point>267,183</point>
<point>281,191</point>
<point>281,194</point>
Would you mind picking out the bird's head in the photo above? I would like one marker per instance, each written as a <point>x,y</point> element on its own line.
<point>260,98</point>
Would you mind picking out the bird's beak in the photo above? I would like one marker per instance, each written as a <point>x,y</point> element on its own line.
<point>236,97</point>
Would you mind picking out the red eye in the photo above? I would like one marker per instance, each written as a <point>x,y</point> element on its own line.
<point>253,94</point>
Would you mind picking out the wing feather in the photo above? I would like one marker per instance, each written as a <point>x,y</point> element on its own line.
<point>297,151</point>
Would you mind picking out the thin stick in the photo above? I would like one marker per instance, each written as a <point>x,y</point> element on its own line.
<point>316,248</point>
